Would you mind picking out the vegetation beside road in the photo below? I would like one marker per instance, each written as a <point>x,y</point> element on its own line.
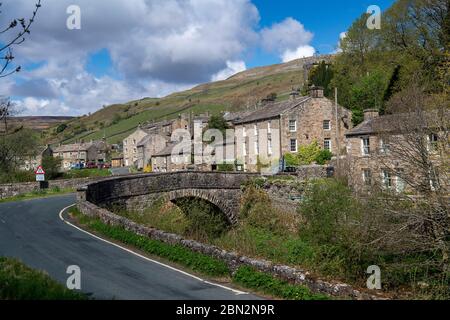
<point>332,234</point>
<point>44,193</point>
<point>197,262</point>
<point>19,282</point>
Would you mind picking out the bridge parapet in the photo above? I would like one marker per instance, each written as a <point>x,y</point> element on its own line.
<point>223,189</point>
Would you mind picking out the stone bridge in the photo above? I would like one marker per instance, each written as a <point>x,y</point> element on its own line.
<point>222,189</point>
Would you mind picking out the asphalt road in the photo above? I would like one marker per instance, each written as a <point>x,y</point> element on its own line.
<point>33,232</point>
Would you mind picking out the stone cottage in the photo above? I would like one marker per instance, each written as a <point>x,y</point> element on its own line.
<point>266,135</point>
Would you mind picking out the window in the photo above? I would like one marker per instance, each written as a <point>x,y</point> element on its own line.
<point>365,146</point>
<point>244,132</point>
<point>293,145</point>
<point>134,141</point>
<point>327,144</point>
<point>433,141</point>
<point>269,127</point>
<point>367,177</point>
<point>399,182</point>
<point>125,142</point>
<point>292,125</point>
<point>327,125</point>
<point>255,129</point>
<point>256,148</point>
<point>384,147</point>
<point>387,179</point>
<point>269,147</point>
<point>244,146</point>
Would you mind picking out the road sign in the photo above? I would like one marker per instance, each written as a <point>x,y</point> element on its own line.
<point>40,174</point>
<point>39,170</point>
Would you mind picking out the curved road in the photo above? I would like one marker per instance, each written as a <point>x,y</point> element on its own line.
<point>33,232</point>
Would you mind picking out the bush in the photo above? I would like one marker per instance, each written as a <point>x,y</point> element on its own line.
<point>205,221</point>
<point>52,167</point>
<point>225,167</point>
<point>323,157</point>
<point>253,279</point>
<point>19,282</point>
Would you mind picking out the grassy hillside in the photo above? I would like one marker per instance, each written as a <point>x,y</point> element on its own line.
<point>239,92</point>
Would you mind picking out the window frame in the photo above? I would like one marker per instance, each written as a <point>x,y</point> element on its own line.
<point>296,145</point>
<point>329,144</point>
<point>328,128</point>
<point>294,126</point>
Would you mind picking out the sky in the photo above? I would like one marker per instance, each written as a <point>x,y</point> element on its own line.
<point>131,49</point>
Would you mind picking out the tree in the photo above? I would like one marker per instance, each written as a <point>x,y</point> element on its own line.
<point>418,155</point>
<point>321,76</point>
<point>15,147</point>
<point>218,122</point>
<point>16,39</point>
<point>52,166</point>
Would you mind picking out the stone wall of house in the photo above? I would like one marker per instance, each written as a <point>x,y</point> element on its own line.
<point>233,260</point>
<point>15,189</point>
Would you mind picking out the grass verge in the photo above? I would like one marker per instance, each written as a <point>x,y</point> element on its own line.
<point>38,194</point>
<point>251,278</point>
<point>197,262</point>
<point>19,282</point>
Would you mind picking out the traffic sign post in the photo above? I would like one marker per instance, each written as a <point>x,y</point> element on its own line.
<point>40,177</point>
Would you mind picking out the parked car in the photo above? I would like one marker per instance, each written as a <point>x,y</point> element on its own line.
<point>91,165</point>
<point>77,166</point>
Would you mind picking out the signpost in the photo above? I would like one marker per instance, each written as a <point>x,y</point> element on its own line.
<point>40,177</point>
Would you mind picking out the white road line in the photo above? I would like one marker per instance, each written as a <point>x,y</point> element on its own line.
<point>236,292</point>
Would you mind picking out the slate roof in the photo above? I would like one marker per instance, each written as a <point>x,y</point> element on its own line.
<point>272,110</point>
<point>73,147</point>
<point>399,122</point>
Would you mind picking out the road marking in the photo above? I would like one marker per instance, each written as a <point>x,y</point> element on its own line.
<point>236,292</point>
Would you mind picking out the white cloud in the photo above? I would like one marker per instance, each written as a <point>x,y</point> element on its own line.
<point>156,47</point>
<point>232,68</point>
<point>342,36</point>
<point>300,52</point>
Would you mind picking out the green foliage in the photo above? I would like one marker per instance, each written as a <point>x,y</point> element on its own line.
<point>251,278</point>
<point>205,221</point>
<point>15,148</point>
<point>86,173</point>
<point>116,119</point>
<point>323,157</point>
<point>308,154</point>
<point>226,167</point>
<point>368,93</point>
<point>175,253</point>
<point>52,166</point>
<point>327,217</point>
<point>16,176</point>
<point>19,282</point>
<point>218,122</point>
<point>321,76</point>
<point>61,128</point>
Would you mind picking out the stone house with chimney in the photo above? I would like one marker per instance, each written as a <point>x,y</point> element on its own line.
<point>266,135</point>
<point>151,144</point>
<point>389,152</point>
<point>70,154</point>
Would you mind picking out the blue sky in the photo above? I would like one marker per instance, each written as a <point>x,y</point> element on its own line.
<point>127,50</point>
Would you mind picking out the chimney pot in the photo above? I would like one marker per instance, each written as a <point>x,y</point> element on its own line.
<point>371,114</point>
<point>316,92</point>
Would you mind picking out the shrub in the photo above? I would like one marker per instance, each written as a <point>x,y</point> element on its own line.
<point>308,154</point>
<point>225,167</point>
<point>323,157</point>
<point>205,221</point>
<point>19,282</point>
<point>251,278</point>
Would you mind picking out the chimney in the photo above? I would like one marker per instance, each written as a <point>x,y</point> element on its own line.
<point>294,94</point>
<point>316,92</point>
<point>371,114</point>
